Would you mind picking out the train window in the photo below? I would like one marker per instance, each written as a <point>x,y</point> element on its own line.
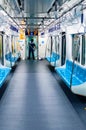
<point>53,47</point>
<point>7,46</point>
<point>76,47</point>
<point>83,59</point>
<point>63,50</point>
<point>57,44</point>
<point>85,50</point>
<point>0,49</point>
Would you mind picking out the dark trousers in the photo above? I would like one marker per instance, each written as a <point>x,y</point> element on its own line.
<point>31,52</point>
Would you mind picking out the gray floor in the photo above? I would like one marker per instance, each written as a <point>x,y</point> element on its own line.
<point>34,100</point>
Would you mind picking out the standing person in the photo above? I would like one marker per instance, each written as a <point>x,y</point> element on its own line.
<point>31,49</point>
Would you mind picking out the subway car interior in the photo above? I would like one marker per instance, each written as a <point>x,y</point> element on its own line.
<point>42,64</point>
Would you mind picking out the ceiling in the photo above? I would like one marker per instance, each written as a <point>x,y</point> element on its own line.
<point>33,13</point>
<point>36,14</point>
<point>36,10</point>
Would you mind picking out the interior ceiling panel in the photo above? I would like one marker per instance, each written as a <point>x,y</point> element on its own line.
<point>36,12</point>
<point>37,6</point>
<point>39,13</point>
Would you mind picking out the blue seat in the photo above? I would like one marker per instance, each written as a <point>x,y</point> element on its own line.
<point>78,77</point>
<point>4,71</point>
<point>53,58</point>
<point>10,57</point>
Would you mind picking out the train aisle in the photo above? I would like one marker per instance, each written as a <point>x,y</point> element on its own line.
<point>34,100</point>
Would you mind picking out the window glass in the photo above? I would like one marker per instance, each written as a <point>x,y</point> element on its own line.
<point>0,48</point>
<point>76,47</point>
<point>83,59</point>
